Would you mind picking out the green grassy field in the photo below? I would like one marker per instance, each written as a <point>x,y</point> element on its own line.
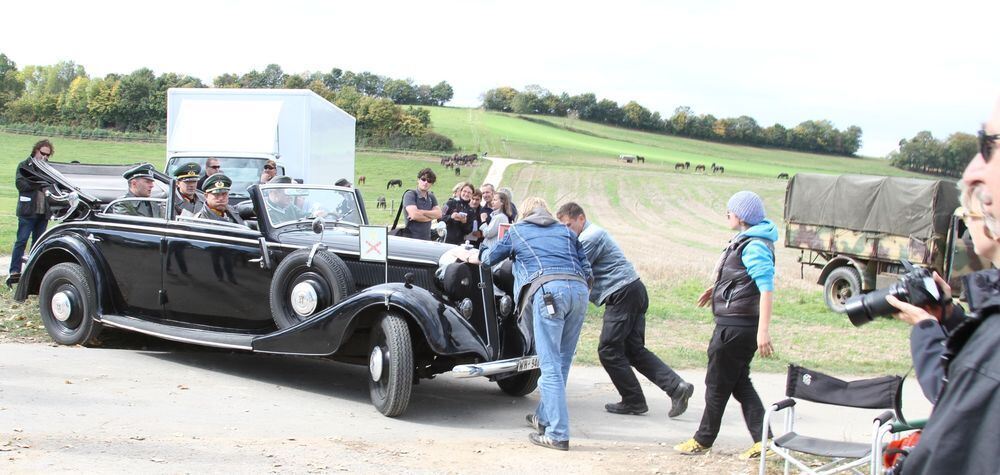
<point>563,140</point>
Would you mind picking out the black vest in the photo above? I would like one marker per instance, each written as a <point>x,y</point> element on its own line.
<point>735,298</point>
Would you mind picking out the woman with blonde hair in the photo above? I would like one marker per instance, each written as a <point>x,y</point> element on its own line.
<point>551,280</point>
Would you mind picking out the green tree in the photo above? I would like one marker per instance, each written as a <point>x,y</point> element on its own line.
<point>11,85</point>
<point>442,93</point>
<point>400,91</point>
<point>499,99</point>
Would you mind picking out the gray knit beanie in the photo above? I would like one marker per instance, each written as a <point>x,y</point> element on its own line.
<point>747,206</point>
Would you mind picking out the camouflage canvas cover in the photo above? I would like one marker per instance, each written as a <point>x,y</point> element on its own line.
<point>910,207</point>
<point>874,217</point>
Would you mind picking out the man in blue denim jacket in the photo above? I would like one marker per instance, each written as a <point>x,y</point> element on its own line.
<point>551,276</point>
<point>623,335</point>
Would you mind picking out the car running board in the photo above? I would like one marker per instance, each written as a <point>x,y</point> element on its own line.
<point>183,335</point>
<point>524,363</point>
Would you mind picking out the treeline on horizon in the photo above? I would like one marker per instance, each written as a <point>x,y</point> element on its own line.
<point>809,136</point>
<point>64,96</point>
<point>925,154</point>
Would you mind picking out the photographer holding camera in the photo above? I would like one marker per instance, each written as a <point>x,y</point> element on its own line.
<point>961,435</point>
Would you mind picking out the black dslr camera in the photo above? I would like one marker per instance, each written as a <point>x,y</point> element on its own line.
<point>916,286</point>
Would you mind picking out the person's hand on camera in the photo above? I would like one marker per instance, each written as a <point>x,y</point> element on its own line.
<point>705,297</point>
<point>764,346</point>
<point>944,287</point>
<point>909,313</point>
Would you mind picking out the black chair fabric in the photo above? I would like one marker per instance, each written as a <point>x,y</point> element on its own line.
<point>874,393</point>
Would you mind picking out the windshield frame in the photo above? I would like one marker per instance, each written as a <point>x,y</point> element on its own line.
<point>349,192</point>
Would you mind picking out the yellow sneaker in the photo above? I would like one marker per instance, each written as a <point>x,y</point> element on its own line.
<point>692,447</point>
<point>754,451</point>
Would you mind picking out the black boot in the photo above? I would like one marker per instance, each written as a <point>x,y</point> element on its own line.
<point>679,400</point>
<point>622,408</point>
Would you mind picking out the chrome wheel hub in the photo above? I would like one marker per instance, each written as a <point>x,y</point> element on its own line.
<point>62,306</point>
<point>304,298</point>
<point>375,363</point>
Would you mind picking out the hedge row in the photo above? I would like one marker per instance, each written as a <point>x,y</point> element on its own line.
<point>81,133</point>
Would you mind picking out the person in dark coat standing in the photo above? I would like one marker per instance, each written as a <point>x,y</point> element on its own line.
<point>32,207</point>
<point>961,436</point>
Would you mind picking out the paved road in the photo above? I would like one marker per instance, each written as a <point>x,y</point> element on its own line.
<point>194,409</point>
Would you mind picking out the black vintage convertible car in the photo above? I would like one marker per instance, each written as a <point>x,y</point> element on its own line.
<point>289,281</point>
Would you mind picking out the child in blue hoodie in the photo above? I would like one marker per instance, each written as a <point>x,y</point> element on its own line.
<point>741,300</point>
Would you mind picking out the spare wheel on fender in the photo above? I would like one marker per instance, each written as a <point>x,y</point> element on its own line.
<point>301,289</point>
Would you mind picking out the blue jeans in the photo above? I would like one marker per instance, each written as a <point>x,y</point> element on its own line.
<point>555,342</point>
<point>33,226</point>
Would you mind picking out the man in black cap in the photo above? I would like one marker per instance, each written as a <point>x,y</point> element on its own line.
<point>216,207</point>
<point>280,204</point>
<point>186,198</point>
<point>140,185</point>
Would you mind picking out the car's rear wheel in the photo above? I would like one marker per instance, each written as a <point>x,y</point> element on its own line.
<point>390,365</point>
<point>67,305</point>
<point>520,384</point>
<point>300,289</point>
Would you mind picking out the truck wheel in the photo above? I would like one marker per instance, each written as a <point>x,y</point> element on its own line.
<point>299,291</point>
<point>66,303</point>
<point>842,284</point>
<point>521,384</point>
<point>390,365</point>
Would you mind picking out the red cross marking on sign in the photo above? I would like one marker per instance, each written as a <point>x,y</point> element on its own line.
<point>376,246</point>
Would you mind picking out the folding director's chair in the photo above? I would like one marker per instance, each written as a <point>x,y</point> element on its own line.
<point>807,385</point>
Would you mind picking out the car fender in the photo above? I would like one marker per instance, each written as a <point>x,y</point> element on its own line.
<point>442,326</point>
<point>65,247</point>
<point>867,280</point>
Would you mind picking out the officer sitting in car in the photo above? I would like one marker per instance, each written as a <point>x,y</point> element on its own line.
<point>186,196</point>
<point>216,207</point>
<point>281,203</point>
<point>140,186</point>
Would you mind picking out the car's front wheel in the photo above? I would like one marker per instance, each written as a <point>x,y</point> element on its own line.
<point>301,289</point>
<point>521,384</point>
<point>67,305</point>
<point>390,365</point>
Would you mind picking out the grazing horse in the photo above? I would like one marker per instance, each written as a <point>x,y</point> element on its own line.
<point>458,171</point>
<point>380,203</point>
<point>396,182</point>
<point>719,169</point>
<point>699,168</point>
<point>680,166</point>
<point>782,176</point>
<point>361,179</point>
<point>687,165</point>
<point>639,158</point>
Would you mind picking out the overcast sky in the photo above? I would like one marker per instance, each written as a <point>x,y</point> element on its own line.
<point>893,68</point>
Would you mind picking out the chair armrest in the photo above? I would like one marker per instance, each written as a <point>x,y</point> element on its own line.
<point>910,425</point>
<point>785,404</point>
<point>885,417</point>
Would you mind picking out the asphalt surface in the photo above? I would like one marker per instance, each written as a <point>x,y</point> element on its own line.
<point>182,408</point>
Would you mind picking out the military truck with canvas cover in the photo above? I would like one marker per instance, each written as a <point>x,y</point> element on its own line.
<point>856,228</point>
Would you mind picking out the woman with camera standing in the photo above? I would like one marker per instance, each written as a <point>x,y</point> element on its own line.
<point>458,214</point>
<point>741,299</point>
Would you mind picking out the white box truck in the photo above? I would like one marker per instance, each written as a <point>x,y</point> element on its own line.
<point>307,136</point>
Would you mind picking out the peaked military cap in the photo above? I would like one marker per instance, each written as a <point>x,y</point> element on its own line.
<point>139,171</point>
<point>217,183</point>
<point>190,171</point>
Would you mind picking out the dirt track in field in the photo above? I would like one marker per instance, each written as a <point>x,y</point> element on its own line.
<point>671,225</point>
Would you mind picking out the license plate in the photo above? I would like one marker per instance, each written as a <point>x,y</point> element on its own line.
<point>526,364</point>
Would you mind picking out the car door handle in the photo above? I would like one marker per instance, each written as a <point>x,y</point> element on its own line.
<point>92,238</point>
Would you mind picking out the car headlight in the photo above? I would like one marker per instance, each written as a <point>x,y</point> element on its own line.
<point>506,305</point>
<point>465,306</point>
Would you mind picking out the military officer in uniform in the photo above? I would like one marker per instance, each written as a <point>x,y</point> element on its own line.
<point>186,197</point>
<point>216,207</point>
<point>140,185</point>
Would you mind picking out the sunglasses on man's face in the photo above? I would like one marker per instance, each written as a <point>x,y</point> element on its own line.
<point>46,155</point>
<point>987,144</point>
<point>215,167</point>
<point>269,167</point>
<point>426,180</point>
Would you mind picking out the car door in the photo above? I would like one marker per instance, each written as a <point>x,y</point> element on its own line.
<point>212,276</point>
<point>131,247</point>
